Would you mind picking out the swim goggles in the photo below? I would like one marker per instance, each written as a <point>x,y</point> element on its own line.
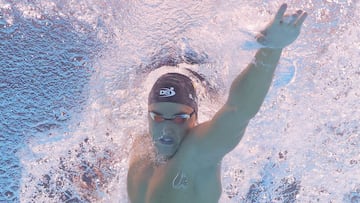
<point>177,118</point>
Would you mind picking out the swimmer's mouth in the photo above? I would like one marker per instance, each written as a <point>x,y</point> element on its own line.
<point>166,140</point>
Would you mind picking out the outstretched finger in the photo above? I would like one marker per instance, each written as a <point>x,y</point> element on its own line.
<point>280,13</point>
<point>301,19</point>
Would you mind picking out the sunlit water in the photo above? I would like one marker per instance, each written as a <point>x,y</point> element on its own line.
<point>75,75</point>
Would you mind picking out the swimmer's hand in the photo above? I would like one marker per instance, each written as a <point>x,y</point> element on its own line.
<point>283,30</point>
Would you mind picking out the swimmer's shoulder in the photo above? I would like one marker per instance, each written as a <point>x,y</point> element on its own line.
<point>139,174</point>
<point>140,165</point>
<point>139,153</point>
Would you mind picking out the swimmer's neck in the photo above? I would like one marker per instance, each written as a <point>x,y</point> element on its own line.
<point>161,159</point>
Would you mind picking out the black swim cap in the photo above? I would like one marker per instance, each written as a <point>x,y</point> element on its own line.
<point>176,88</point>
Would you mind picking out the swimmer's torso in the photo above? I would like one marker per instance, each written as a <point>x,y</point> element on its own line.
<point>174,181</point>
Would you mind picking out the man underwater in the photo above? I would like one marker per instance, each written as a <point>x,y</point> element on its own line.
<point>193,153</point>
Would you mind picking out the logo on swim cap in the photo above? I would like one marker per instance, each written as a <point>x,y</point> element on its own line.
<point>167,92</point>
<point>174,88</point>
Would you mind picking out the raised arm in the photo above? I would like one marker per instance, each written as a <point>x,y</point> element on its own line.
<point>249,89</point>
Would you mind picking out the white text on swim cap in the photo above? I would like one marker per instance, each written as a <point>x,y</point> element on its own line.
<point>167,92</point>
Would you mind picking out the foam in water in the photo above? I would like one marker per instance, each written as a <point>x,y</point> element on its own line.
<point>72,132</point>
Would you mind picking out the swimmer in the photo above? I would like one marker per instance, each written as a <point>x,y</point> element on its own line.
<point>193,152</point>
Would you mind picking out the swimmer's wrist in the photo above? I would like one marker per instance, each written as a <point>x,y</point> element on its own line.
<point>264,43</point>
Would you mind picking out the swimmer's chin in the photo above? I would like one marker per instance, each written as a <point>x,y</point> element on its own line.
<point>166,150</point>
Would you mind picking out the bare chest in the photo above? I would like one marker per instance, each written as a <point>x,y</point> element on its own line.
<point>172,183</point>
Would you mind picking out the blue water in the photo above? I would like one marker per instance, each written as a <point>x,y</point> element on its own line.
<point>73,76</point>
<point>45,67</point>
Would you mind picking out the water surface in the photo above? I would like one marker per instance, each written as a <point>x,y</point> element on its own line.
<point>74,75</point>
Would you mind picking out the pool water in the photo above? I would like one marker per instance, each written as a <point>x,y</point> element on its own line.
<point>74,75</point>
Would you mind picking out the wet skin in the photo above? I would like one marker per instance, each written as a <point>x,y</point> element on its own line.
<point>192,171</point>
<point>180,179</point>
<point>168,135</point>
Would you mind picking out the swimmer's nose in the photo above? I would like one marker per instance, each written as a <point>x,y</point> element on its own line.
<point>167,131</point>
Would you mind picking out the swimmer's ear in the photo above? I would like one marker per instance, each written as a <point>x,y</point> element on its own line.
<point>196,119</point>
